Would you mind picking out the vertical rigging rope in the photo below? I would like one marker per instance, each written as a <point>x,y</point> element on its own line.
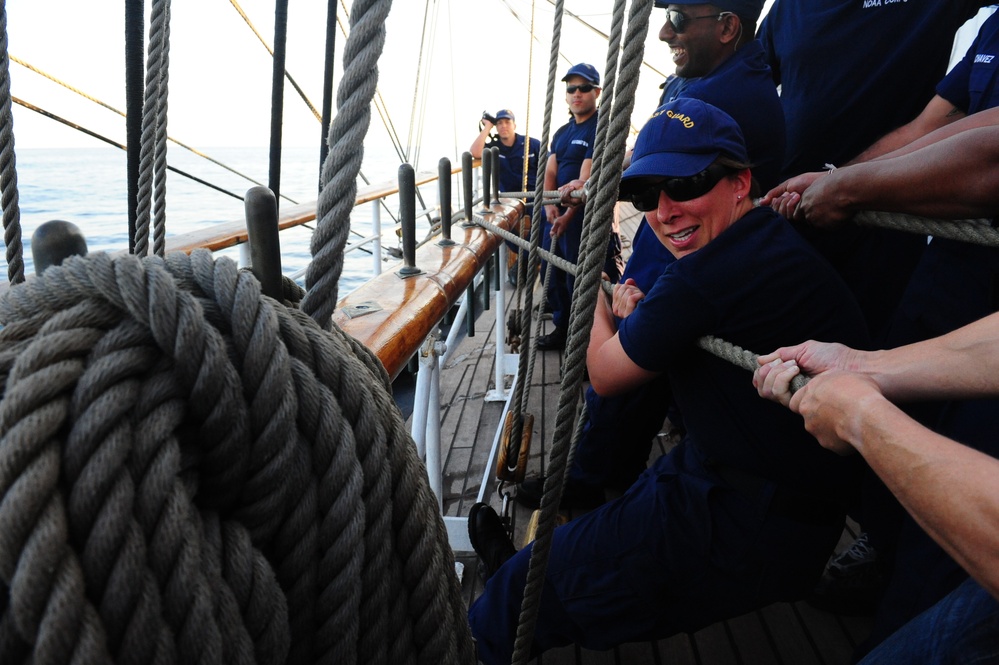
<point>339,172</point>
<point>152,160</point>
<point>8,170</point>
<point>596,227</point>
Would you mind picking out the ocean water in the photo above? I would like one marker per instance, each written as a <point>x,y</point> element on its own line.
<point>87,186</point>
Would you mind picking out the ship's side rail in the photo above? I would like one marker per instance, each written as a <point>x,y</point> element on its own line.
<point>231,234</point>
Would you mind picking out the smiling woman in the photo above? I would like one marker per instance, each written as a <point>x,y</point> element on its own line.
<point>745,511</point>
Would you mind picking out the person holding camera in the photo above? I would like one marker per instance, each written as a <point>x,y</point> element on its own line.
<point>518,166</point>
<point>512,174</point>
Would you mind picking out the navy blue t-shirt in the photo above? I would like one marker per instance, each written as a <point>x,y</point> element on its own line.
<point>853,70</point>
<point>572,145</point>
<point>746,287</point>
<point>971,84</point>
<point>511,161</point>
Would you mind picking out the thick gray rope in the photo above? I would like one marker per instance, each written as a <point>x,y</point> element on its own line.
<point>152,152</point>
<point>8,170</point>
<point>977,231</point>
<point>192,472</point>
<point>160,161</point>
<point>612,130</point>
<point>343,163</point>
<point>551,257</point>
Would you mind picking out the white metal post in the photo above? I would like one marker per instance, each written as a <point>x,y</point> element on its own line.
<point>500,367</point>
<point>376,231</point>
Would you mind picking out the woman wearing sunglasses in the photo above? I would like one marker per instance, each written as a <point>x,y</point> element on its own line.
<point>746,510</point>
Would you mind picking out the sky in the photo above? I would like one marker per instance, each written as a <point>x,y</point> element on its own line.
<point>480,58</point>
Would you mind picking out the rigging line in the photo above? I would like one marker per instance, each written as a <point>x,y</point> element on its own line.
<point>47,114</point>
<point>424,98</point>
<point>294,84</point>
<point>596,30</point>
<point>124,115</point>
<point>454,102</point>
<point>416,82</point>
<point>379,101</point>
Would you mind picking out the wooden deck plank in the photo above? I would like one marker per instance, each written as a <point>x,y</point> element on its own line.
<point>714,645</point>
<point>789,635</point>
<point>677,650</point>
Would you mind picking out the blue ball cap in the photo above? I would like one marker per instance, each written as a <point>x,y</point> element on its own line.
<point>588,72</point>
<point>505,113</point>
<point>748,10</point>
<point>682,138</point>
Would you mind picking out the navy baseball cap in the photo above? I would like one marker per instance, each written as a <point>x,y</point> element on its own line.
<point>505,113</point>
<point>745,9</point>
<point>588,72</point>
<point>682,138</point>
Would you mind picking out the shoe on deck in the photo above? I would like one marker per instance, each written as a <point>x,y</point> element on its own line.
<point>553,341</point>
<point>489,538</point>
<point>574,495</point>
<point>852,584</point>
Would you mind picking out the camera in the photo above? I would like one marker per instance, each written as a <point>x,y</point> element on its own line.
<point>486,116</point>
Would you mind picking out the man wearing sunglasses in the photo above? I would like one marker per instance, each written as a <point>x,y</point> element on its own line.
<point>570,159</point>
<point>745,510</point>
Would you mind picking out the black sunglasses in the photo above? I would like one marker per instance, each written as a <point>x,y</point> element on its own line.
<point>645,195</point>
<point>585,87</point>
<point>679,22</point>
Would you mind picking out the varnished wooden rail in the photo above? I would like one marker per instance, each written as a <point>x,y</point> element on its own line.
<point>398,314</point>
<point>229,234</point>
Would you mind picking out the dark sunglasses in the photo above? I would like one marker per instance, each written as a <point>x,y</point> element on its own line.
<point>679,22</point>
<point>645,196</point>
<point>586,87</point>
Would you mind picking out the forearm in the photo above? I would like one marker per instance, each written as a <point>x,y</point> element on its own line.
<point>938,113</point>
<point>954,178</point>
<point>479,143</point>
<point>951,490</point>
<point>960,364</point>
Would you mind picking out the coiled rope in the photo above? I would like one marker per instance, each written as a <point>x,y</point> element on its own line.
<point>194,473</point>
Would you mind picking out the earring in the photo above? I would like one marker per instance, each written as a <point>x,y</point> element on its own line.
<point>739,197</point>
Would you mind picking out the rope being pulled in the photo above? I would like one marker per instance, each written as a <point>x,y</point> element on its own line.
<point>191,472</point>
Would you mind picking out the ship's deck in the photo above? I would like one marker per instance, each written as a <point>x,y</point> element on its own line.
<point>783,633</point>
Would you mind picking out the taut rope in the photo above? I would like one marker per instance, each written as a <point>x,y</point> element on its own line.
<point>194,473</point>
<point>152,160</point>
<point>612,130</point>
<point>343,163</point>
<point>8,170</point>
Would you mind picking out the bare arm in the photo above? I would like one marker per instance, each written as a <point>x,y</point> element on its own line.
<point>955,177</point>
<point>938,120</point>
<point>611,371</point>
<point>951,490</point>
<point>962,364</point>
<point>938,113</point>
<point>551,177</point>
<point>480,141</point>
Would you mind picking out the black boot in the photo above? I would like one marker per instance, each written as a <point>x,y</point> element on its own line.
<point>489,538</point>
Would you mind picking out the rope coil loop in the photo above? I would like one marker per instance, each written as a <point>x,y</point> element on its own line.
<point>192,472</point>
